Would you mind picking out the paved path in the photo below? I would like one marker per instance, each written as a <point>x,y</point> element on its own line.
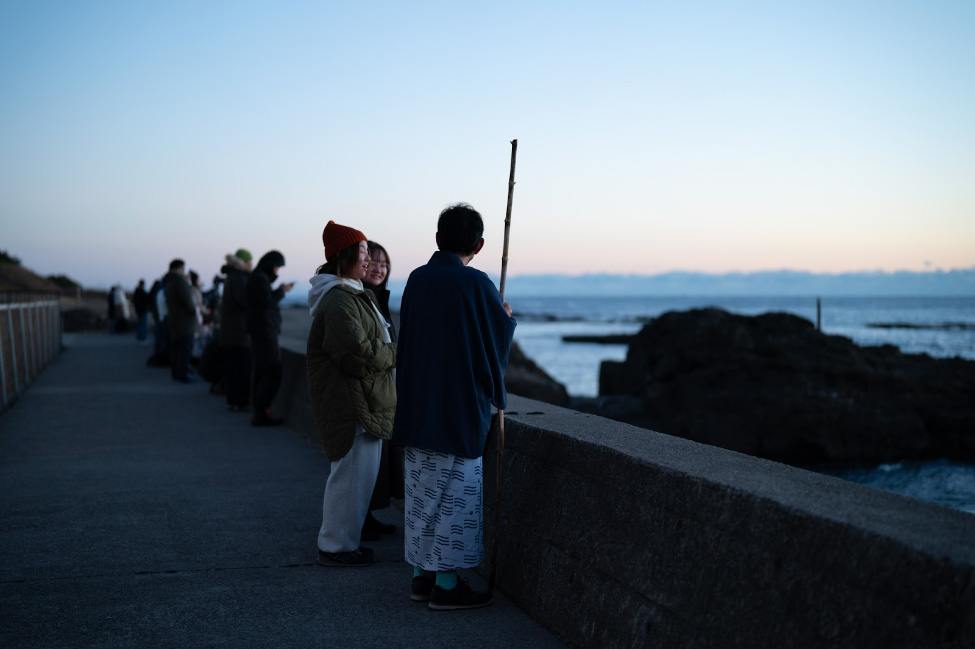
<point>138,512</point>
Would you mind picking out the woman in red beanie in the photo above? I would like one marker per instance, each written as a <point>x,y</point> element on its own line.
<point>350,360</point>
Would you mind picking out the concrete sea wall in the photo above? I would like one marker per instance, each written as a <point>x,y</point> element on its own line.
<point>616,536</point>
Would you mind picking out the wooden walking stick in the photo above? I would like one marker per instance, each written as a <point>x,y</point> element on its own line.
<point>504,274</point>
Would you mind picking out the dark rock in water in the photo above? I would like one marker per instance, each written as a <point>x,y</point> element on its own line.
<point>82,319</point>
<point>774,387</point>
<point>526,379</point>
<point>609,339</point>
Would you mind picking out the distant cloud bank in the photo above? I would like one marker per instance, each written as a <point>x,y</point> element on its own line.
<point>959,282</point>
<point>780,283</point>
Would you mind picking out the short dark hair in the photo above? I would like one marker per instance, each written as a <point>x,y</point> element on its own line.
<point>459,229</point>
<point>176,263</point>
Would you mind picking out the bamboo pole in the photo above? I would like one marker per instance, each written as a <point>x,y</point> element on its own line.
<point>492,575</point>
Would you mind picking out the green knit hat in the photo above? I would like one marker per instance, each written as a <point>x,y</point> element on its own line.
<point>243,254</point>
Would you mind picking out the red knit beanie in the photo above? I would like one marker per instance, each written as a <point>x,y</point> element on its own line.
<point>339,237</point>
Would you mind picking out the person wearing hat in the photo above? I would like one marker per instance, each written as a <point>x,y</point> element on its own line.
<point>263,319</point>
<point>350,360</point>
<point>235,344</point>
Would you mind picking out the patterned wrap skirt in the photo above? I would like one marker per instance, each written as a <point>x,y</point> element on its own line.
<point>444,510</point>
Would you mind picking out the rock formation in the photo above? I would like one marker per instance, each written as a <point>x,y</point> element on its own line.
<point>774,387</point>
<point>526,379</point>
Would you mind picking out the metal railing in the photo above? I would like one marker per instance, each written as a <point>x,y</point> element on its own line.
<point>30,336</point>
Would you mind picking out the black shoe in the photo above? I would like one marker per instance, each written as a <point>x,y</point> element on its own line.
<point>422,585</point>
<point>458,597</point>
<point>373,527</point>
<point>364,551</point>
<point>354,559</point>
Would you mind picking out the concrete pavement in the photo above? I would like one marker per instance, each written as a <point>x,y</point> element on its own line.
<point>137,511</point>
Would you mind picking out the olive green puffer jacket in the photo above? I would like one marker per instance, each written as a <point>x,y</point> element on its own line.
<point>350,370</point>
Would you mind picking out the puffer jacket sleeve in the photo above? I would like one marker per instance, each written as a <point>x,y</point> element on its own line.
<point>353,339</point>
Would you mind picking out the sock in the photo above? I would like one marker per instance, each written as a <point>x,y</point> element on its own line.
<point>420,572</point>
<point>446,580</point>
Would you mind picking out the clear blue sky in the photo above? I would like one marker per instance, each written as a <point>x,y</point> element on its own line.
<point>653,136</point>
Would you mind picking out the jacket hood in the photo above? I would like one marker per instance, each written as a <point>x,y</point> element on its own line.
<point>322,284</point>
<point>269,261</point>
<point>235,262</point>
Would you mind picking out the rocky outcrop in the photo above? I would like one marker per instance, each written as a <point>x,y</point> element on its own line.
<point>526,379</point>
<point>774,387</point>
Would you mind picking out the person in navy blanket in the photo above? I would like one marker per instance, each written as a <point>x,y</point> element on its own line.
<point>455,334</point>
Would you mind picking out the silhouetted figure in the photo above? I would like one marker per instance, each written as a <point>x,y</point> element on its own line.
<point>140,300</point>
<point>182,320</point>
<point>235,343</point>
<point>264,327</point>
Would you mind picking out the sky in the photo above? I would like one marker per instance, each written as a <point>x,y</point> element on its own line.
<point>827,136</point>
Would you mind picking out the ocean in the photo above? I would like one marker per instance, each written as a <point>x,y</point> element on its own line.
<point>938,326</point>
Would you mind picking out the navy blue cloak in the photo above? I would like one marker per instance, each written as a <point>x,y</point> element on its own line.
<point>454,340</point>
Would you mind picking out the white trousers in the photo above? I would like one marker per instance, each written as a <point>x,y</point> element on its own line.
<point>348,492</point>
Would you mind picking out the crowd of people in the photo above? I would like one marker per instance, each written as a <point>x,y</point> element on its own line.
<point>226,337</point>
<point>402,414</point>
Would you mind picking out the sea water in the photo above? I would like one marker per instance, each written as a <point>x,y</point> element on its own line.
<point>938,326</point>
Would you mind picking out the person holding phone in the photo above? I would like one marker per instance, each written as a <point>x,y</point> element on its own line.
<point>264,326</point>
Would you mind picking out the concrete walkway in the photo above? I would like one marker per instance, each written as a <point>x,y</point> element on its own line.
<point>138,512</point>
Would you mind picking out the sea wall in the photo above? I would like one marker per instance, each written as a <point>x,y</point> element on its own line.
<point>617,536</point>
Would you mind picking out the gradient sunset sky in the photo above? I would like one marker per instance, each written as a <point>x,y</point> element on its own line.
<point>652,136</point>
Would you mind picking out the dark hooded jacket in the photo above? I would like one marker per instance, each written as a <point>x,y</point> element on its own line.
<point>263,314</point>
<point>181,307</point>
<point>233,306</point>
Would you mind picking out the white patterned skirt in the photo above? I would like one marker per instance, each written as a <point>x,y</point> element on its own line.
<point>444,512</point>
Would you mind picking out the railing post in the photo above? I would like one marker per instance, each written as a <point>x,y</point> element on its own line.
<point>23,347</point>
<point>3,375</point>
<point>13,350</point>
<point>31,313</point>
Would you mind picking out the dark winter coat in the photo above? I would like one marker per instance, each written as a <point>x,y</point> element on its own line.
<point>140,300</point>
<point>350,366</point>
<point>181,306</point>
<point>233,305</point>
<point>454,339</point>
<point>381,295</point>
<point>263,317</point>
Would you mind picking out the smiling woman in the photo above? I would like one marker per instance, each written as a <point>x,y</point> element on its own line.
<point>350,359</point>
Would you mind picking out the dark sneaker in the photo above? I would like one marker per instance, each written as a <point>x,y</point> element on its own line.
<point>373,527</point>
<point>458,597</point>
<point>354,559</point>
<point>364,551</point>
<point>422,585</point>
